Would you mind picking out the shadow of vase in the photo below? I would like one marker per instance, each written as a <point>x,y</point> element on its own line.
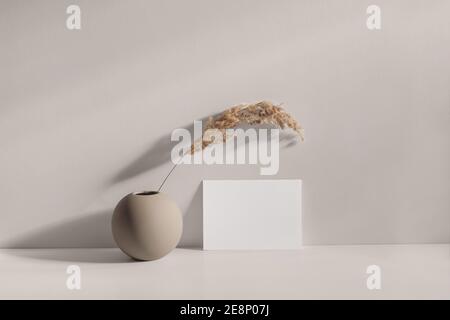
<point>90,231</point>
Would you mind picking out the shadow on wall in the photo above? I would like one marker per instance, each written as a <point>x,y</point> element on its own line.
<point>160,152</point>
<point>154,157</point>
<point>94,231</point>
<point>89,231</point>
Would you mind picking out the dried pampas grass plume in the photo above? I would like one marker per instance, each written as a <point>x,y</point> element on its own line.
<point>263,112</point>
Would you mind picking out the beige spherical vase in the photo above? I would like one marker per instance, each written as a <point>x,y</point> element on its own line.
<point>147,225</point>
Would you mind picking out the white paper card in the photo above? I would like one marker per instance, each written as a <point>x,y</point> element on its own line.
<point>252,214</point>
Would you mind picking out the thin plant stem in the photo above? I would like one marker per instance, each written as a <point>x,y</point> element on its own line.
<point>170,172</point>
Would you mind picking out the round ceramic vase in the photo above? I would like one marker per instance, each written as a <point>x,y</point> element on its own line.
<point>147,225</point>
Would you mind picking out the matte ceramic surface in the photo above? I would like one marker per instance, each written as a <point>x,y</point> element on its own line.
<point>147,225</point>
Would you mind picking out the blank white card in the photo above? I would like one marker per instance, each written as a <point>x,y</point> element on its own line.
<point>252,214</point>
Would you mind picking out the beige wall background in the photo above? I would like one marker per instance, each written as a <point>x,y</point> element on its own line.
<point>85,116</point>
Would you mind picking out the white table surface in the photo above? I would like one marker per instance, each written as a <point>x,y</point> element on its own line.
<point>407,271</point>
